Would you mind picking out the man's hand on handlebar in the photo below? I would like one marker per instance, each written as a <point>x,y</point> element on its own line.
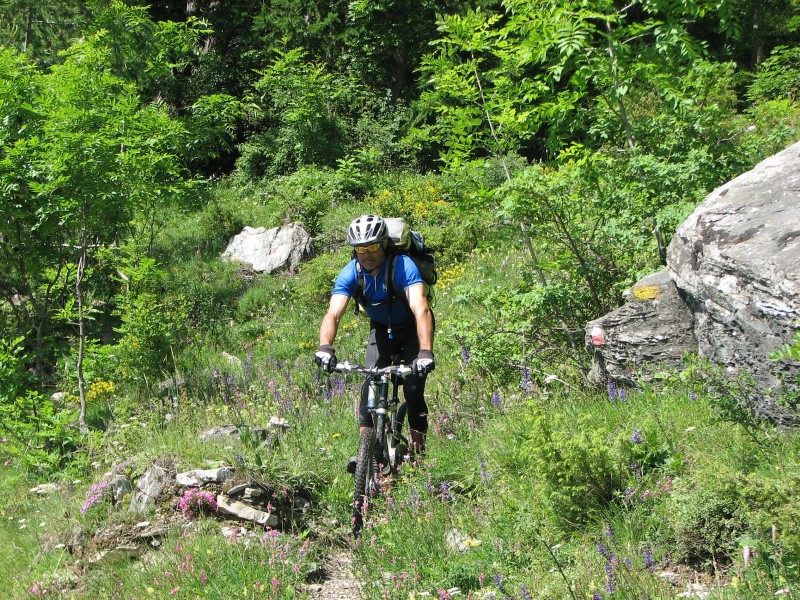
<point>424,363</point>
<point>325,357</point>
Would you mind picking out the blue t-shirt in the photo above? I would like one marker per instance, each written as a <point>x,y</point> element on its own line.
<point>376,294</point>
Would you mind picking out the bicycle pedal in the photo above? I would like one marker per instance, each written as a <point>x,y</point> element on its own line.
<point>351,465</point>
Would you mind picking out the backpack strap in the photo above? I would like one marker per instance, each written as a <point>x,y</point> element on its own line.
<point>360,286</point>
<point>389,282</point>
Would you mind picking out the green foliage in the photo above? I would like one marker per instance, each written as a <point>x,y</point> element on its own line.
<point>305,108</point>
<point>303,114</point>
<point>526,467</point>
<point>772,508</point>
<point>204,293</point>
<point>788,351</point>
<point>39,434</point>
<point>89,166</point>
<point>778,77</point>
<point>149,336</point>
<point>42,29</point>
<point>305,195</point>
<point>560,458</point>
<point>316,283</point>
<point>221,219</point>
<point>13,378</point>
<point>705,520</point>
<point>387,38</point>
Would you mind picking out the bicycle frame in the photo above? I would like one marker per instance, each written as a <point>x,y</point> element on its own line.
<point>383,447</point>
<point>387,415</point>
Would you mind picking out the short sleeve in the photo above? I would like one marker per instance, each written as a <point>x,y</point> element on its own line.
<point>346,281</point>
<point>406,273</point>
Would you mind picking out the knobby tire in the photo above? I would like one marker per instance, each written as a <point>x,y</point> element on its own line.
<point>365,478</point>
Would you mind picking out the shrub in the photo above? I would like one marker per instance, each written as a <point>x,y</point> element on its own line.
<point>261,297</point>
<point>705,521</point>
<point>581,469</point>
<point>305,195</point>
<point>315,285</point>
<point>777,77</point>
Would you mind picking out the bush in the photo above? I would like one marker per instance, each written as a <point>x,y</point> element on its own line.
<point>705,522</point>
<point>318,275</point>
<point>262,297</point>
<point>305,195</point>
<point>778,77</point>
<point>581,468</point>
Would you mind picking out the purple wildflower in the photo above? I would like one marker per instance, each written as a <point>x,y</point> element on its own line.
<point>611,387</point>
<point>446,494</point>
<point>465,354</point>
<point>485,476</point>
<point>94,495</point>
<point>604,551</point>
<point>496,399</point>
<point>628,495</point>
<point>649,561</point>
<point>525,372</point>
<point>97,491</point>
<point>611,578</point>
<point>636,437</point>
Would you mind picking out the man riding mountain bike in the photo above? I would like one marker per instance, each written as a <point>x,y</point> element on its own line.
<point>401,327</point>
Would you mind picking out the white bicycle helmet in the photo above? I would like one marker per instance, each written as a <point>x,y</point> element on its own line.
<point>366,230</point>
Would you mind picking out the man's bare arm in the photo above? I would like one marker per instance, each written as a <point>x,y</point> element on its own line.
<point>330,322</point>
<point>418,302</point>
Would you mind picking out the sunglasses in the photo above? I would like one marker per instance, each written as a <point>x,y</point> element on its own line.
<point>370,248</point>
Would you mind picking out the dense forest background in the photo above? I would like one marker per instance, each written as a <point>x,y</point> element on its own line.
<point>590,130</point>
<point>547,150</point>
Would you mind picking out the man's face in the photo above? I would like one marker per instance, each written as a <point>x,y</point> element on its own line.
<point>370,260</point>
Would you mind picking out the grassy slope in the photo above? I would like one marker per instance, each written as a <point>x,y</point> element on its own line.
<point>546,490</point>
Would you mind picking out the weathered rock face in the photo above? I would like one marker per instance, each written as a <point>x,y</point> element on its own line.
<point>737,260</point>
<point>270,250</point>
<point>731,291</point>
<point>652,330</point>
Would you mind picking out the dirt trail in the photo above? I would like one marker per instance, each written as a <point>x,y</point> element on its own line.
<point>340,582</point>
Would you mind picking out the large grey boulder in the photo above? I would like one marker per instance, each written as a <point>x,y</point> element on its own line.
<point>731,291</point>
<point>737,261</point>
<point>270,250</point>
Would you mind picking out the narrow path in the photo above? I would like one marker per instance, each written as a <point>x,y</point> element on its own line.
<point>340,582</point>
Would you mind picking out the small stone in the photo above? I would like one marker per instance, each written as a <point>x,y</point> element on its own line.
<point>43,489</point>
<point>200,477</point>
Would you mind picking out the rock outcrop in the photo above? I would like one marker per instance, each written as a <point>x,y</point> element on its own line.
<point>653,329</point>
<point>270,250</point>
<point>731,290</point>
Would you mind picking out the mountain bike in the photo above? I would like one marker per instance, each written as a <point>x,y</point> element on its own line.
<point>381,448</point>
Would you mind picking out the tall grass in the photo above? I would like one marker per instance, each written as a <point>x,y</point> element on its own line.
<point>533,486</point>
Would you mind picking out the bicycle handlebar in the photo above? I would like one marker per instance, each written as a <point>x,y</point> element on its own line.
<point>348,367</point>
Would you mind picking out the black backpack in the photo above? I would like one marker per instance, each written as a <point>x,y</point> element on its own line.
<point>402,240</point>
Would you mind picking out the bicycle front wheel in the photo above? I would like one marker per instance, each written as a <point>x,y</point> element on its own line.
<point>366,478</point>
